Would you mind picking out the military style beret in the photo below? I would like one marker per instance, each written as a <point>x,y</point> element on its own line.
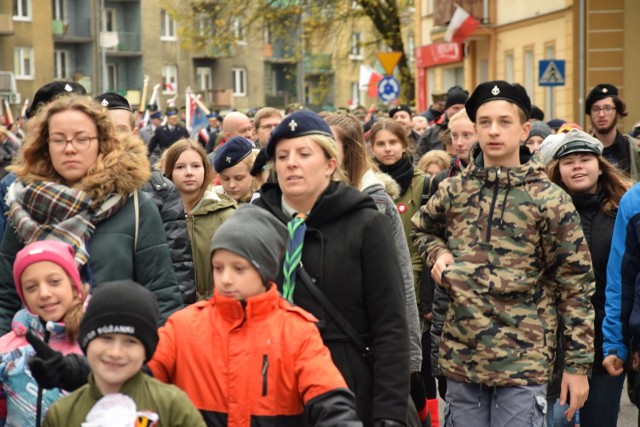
<point>299,123</point>
<point>48,92</point>
<point>601,91</point>
<point>231,153</point>
<point>156,115</point>
<point>113,101</point>
<point>498,90</point>
<point>401,107</point>
<point>556,123</point>
<point>260,162</point>
<point>575,141</point>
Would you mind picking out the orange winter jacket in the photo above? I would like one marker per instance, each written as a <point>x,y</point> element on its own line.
<point>243,363</point>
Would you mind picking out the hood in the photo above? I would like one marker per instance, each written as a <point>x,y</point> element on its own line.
<point>213,201</point>
<point>531,169</point>
<point>122,171</point>
<point>338,199</point>
<point>376,178</point>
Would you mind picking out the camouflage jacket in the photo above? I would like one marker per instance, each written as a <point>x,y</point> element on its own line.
<point>520,261</point>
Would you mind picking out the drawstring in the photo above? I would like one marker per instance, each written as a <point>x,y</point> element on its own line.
<point>479,395</point>
<point>495,395</point>
<point>504,201</point>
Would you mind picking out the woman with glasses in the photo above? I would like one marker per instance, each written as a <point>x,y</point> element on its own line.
<point>78,181</point>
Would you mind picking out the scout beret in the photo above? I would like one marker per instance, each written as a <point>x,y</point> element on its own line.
<point>260,162</point>
<point>48,92</point>
<point>575,141</point>
<point>537,113</point>
<point>601,91</point>
<point>556,123</point>
<point>299,123</point>
<point>401,107</point>
<point>113,101</point>
<point>231,153</point>
<point>498,90</point>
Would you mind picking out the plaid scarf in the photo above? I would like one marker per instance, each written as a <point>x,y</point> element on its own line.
<point>50,211</point>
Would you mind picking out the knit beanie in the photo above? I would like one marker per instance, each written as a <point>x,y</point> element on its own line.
<point>54,251</point>
<point>121,307</point>
<point>455,97</point>
<point>540,129</point>
<point>256,235</point>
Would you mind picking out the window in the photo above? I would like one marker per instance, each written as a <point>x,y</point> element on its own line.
<point>355,47</point>
<point>22,10</point>
<point>59,9</point>
<point>169,79</point>
<point>168,26</point>
<point>239,78</point>
<point>203,24</point>
<point>109,17</point>
<point>528,72</point>
<point>238,29</point>
<point>61,68</point>
<point>203,78</point>
<point>508,67</point>
<point>267,35</point>
<point>112,76</point>
<point>23,62</point>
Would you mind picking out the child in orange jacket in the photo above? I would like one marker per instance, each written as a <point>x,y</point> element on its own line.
<point>247,355</point>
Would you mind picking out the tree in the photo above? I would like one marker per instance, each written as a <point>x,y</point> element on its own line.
<point>301,25</point>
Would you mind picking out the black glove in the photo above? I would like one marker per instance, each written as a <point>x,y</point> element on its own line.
<point>51,369</point>
<point>383,422</point>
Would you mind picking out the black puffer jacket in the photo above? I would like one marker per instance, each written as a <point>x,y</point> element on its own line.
<point>167,199</point>
<point>350,255</point>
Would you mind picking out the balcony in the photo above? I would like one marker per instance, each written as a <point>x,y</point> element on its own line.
<point>280,52</point>
<point>120,43</point>
<point>72,29</point>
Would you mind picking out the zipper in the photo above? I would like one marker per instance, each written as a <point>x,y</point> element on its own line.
<point>265,371</point>
<point>496,187</point>
<point>47,335</point>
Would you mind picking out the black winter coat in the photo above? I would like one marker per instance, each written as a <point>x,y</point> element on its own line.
<point>349,253</point>
<point>164,137</point>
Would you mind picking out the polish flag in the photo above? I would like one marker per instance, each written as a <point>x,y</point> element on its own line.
<point>369,79</point>
<point>461,26</point>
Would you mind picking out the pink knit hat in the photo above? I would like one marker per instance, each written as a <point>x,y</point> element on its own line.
<point>59,253</point>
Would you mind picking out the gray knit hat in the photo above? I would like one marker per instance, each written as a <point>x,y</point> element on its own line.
<point>254,234</point>
<point>540,129</point>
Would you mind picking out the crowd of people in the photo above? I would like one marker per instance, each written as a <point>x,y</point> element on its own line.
<point>328,269</point>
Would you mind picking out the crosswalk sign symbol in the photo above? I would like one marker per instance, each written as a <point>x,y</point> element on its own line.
<point>551,72</point>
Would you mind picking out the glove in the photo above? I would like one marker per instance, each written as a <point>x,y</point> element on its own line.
<point>51,369</point>
<point>383,422</point>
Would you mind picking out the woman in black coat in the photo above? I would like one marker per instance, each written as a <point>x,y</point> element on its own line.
<point>349,253</point>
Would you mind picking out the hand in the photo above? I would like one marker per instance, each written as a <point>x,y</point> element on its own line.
<point>53,370</point>
<point>428,316</point>
<point>438,267</point>
<point>577,387</point>
<point>613,364</point>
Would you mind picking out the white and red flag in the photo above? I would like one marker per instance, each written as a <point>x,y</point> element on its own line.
<point>461,26</point>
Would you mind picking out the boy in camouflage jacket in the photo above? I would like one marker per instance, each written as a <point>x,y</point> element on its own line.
<point>506,245</point>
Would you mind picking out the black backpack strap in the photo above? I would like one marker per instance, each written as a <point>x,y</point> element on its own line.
<point>426,190</point>
<point>337,317</point>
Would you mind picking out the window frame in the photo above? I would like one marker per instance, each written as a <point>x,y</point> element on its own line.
<point>59,56</point>
<point>169,76</point>
<point>239,78</point>
<point>19,14</point>
<point>167,27</point>
<point>19,58</point>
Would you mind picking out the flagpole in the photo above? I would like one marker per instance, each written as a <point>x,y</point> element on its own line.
<point>188,98</point>
<point>143,101</point>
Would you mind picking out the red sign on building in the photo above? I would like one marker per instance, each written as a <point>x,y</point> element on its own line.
<point>432,55</point>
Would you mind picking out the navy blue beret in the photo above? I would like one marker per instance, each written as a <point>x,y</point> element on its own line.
<point>113,101</point>
<point>498,90</point>
<point>397,108</point>
<point>299,123</point>
<point>231,153</point>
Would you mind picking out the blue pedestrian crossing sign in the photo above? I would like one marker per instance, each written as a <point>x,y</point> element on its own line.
<point>551,72</point>
<point>388,89</point>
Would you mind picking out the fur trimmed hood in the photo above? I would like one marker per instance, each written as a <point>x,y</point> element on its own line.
<point>372,177</point>
<point>120,171</point>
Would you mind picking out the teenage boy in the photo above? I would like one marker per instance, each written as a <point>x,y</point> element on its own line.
<point>118,334</point>
<point>506,245</point>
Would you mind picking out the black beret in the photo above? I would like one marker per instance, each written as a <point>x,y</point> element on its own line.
<point>401,107</point>
<point>299,123</point>
<point>498,90</point>
<point>454,97</point>
<point>556,123</point>
<point>113,101</point>
<point>48,92</point>
<point>537,113</point>
<point>601,91</point>
<point>260,162</point>
<point>231,153</point>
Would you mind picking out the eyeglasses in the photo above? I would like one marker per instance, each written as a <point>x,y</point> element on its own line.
<point>80,142</point>
<point>607,109</point>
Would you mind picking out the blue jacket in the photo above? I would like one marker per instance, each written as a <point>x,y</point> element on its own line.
<point>622,309</point>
